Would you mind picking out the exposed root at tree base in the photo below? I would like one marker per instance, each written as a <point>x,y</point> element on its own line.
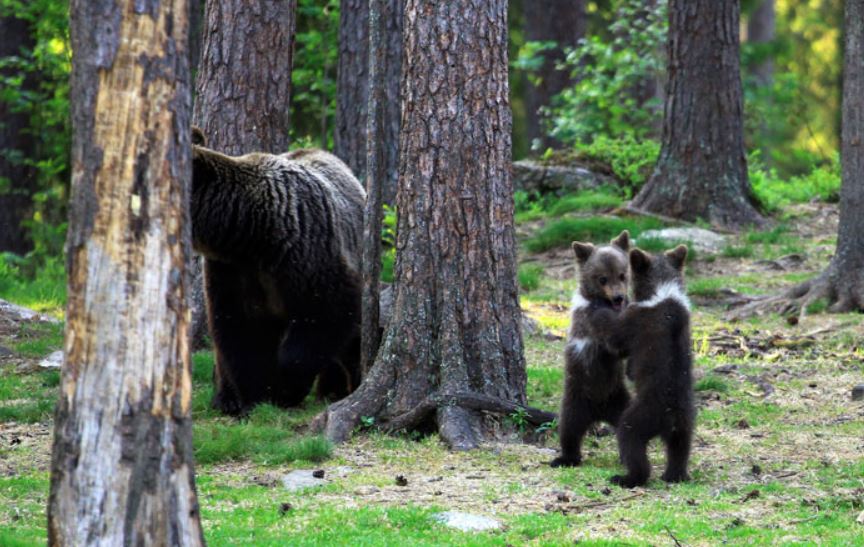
<point>794,302</point>
<point>457,417</point>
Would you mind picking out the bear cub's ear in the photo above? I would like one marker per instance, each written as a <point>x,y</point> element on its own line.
<point>198,137</point>
<point>640,261</point>
<point>677,256</point>
<point>622,241</point>
<point>583,251</point>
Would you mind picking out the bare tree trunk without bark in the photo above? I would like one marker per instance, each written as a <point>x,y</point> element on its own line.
<point>842,283</point>
<point>702,169</point>
<point>456,320</point>
<point>17,179</point>
<point>121,470</point>
<point>560,21</point>
<point>244,83</point>
<point>352,88</point>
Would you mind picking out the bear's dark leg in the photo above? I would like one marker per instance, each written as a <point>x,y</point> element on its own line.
<point>616,405</point>
<point>245,347</point>
<point>576,417</point>
<point>638,426</point>
<point>677,455</point>
<point>303,354</point>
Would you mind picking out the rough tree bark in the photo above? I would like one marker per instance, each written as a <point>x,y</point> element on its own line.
<point>760,30</point>
<point>244,81</point>
<point>352,88</point>
<point>121,470</point>
<point>562,22</point>
<point>243,93</point>
<point>376,172</point>
<point>17,180</point>
<point>702,169</point>
<point>455,326</point>
<point>842,282</point>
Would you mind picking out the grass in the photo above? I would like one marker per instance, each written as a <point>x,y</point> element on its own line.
<point>530,276</point>
<point>43,290</point>
<point>590,200</point>
<point>774,193</point>
<point>560,233</point>
<point>712,383</point>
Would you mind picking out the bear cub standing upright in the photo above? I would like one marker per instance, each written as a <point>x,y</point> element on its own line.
<point>594,380</point>
<point>654,334</point>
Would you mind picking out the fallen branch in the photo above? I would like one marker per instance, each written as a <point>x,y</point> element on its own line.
<point>468,401</point>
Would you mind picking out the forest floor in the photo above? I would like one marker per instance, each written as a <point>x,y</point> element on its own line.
<point>778,456</point>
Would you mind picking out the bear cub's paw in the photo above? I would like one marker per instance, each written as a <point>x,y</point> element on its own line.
<point>561,461</point>
<point>625,482</point>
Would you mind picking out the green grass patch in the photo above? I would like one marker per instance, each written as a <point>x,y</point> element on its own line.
<point>775,193</point>
<point>27,397</point>
<point>530,276</point>
<point>712,382</point>
<point>562,232</point>
<point>43,290</point>
<point>265,444</point>
<point>39,339</point>
<point>738,251</point>
<point>590,200</point>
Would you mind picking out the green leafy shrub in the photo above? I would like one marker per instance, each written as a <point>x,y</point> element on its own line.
<point>773,193</point>
<point>561,233</point>
<point>529,276</point>
<point>629,159</point>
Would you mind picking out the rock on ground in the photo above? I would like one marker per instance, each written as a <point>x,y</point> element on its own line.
<point>700,239</point>
<point>54,360</point>
<point>533,176</point>
<point>466,522</point>
<point>20,313</point>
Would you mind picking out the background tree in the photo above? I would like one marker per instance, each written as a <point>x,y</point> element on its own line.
<point>454,342</point>
<point>243,87</point>
<point>702,169</point>
<point>17,143</point>
<point>352,88</point>
<point>760,32</point>
<point>121,470</point>
<point>558,24</point>
<point>842,283</point>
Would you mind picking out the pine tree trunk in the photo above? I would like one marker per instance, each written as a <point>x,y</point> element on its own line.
<point>244,81</point>
<point>846,271</point>
<point>455,325</point>
<point>352,88</point>
<point>760,30</point>
<point>17,180</point>
<point>560,21</point>
<point>702,169</point>
<point>122,471</point>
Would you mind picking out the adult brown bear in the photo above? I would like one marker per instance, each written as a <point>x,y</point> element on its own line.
<point>281,236</point>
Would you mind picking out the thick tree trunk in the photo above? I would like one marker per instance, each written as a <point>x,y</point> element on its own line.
<point>702,169</point>
<point>17,180</point>
<point>121,471</point>
<point>352,88</point>
<point>760,30</point>
<point>455,326</point>
<point>842,283</point>
<point>560,21</point>
<point>244,82</point>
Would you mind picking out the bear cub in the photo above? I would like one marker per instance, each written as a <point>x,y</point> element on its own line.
<point>593,377</point>
<point>654,334</point>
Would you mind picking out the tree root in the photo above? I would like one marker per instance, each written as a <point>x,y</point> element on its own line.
<point>467,401</point>
<point>794,301</point>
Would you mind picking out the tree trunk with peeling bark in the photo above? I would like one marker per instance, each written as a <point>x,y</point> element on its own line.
<point>121,470</point>
<point>560,21</point>
<point>243,99</point>
<point>842,282</point>
<point>455,326</point>
<point>352,88</point>
<point>702,169</point>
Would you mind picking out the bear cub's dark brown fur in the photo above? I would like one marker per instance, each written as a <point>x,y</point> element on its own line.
<point>594,380</point>
<point>654,334</point>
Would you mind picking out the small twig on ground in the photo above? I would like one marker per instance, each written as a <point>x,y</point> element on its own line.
<point>671,535</point>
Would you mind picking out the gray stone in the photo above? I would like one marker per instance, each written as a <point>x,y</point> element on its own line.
<point>858,392</point>
<point>5,352</point>
<point>700,239</point>
<point>466,522</point>
<point>20,313</point>
<point>55,360</point>
<point>300,479</point>
<point>533,176</point>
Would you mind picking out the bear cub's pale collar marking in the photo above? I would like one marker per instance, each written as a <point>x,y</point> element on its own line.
<point>671,290</point>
